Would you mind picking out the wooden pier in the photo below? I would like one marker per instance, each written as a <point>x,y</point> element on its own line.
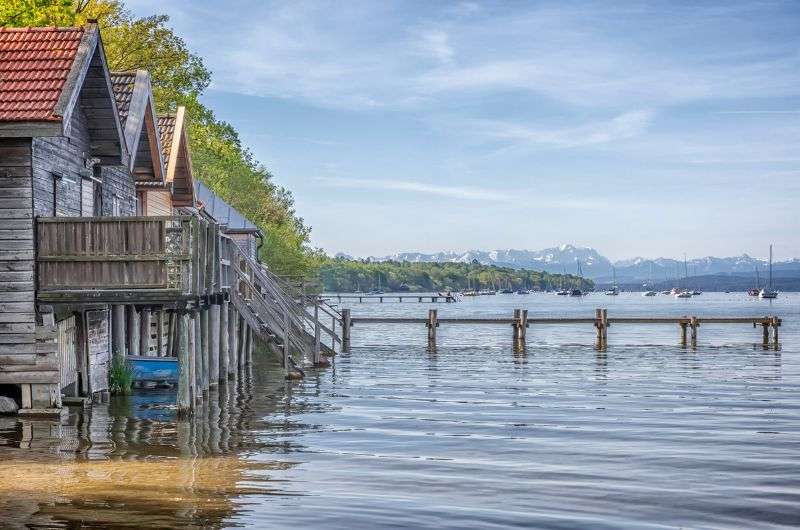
<point>688,326</point>
<point>427,298</point>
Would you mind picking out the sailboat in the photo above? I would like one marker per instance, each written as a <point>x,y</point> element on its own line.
<point>650,283</point>
<point>769,292</point>
<point>577,292</point>
<point>754,291</point>
<point>684,293</point>
<point>614,291</point>
<point>562,291</point>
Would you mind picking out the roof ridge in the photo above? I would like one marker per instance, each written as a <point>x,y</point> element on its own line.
<point>41,29</point>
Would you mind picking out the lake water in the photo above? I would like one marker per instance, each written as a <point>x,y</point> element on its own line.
<point>473,435</point>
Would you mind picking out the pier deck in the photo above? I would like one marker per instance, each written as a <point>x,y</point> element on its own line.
<point>520,322</point>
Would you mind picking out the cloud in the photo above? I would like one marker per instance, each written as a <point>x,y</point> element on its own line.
<point>621,127</point>
<point>436,44</point>
<point>455,192</point>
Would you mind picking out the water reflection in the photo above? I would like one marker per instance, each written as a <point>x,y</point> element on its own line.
<point>132,463</point>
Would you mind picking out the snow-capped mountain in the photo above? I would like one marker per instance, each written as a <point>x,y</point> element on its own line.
<point>596,266</point>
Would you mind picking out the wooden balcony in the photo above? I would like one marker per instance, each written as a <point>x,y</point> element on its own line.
<point>124,259</point>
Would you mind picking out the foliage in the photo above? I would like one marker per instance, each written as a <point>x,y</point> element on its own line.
<point>179,77</point>
<point>120,377</point>
<point>341,275</point>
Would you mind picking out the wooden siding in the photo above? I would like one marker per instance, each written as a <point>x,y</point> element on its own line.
<point>17,313</point>
<point>247,242</point>
<point>87,198</point>
<point>118,186</point>
<point>158,203</point>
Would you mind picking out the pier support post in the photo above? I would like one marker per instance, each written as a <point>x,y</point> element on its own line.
<point>198,355</point>
<point>605,329</point>
<point>133,331</point>
<point>598,324</point>
<point>213,346</point>
<point>432,324</point>
<point>286,340</point>
<point>683,325</point>
<point>224,354</point>
<point>144,330</point>
<point>776,322</point>
<point>233,319</point>
<point>184,368</point>
<point>765,331</point>
<point>694,324</point>
<point>205,338</point>
<point>118,332</point>
<point>346,325</point>
<point>192,349</point>
<point>160,333</point>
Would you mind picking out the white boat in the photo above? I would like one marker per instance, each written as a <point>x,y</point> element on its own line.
<point>683,294</point>
<point>769,292</point>
<point>562,292</point>
<point>649,293</point>
<point>614,291</point>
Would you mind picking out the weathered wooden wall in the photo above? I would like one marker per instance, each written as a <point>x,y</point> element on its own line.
<point>158,202</point>
<point>247,242</point>
<point>119,189</point>
<point>17,315</point>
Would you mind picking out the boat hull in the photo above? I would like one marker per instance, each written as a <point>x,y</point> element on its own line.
<point>158,369</point>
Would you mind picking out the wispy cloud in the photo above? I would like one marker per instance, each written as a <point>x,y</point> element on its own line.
<point>436,43</point>
<point>621,127</point>
<point>454,192</point>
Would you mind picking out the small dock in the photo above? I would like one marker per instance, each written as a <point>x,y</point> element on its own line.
<point>688,326</point>
<point>399,298</point>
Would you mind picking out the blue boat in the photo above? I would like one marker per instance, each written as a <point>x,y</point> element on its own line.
<point>157,369</point>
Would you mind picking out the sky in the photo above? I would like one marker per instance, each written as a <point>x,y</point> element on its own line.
<point>638,128</point>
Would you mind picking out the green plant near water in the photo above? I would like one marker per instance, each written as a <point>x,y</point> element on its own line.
<point>120,378</point>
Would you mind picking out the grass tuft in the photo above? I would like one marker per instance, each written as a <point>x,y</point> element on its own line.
<point>120,378</point>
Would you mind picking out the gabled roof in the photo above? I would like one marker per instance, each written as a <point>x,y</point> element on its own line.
<point>222,212</point>
<point>45,73</point>
<point>178,162</point>
<point>34,65</point>
<point>137,113</point>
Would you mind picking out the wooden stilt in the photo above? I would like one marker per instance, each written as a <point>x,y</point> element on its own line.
<point>213,346</point>
<point>118,347</point>
<point>683,325</point>
<point>317,331</point>
<point>765,332</point>
<point>144,330</point>
<point>184,368</point>
<point>515,326</point>
<point>192,349</point>
<point>250,345</point>
<point>605,328</point>
<point>160,333</point>
<point>523,325</point>
<point>204,339</point>
<point>346,325</point>
<point>233,332</point>
<point>133,331</point>
<point>776,322</point>
<point>693,325</point>
<point>198,356</point>
<point>224,342</point>
<point>172,334</point>
<point>432,324</point>
<point>240,335</point>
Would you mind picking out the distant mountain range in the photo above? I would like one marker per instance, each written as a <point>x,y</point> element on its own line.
<point>599,268</point>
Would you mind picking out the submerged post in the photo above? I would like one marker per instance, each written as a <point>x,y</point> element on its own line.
<point>683,325</point>
<point>213,346</point>
<point>605,328</point>
<point>224,342</point>
<point>346,324</point>
<point>765,325</point>
<point>432,324</point>
<point>776,322</point>
<point>515,326</point>
<point>598,324</point>
<point>192,350</point>
<point>694,324</point>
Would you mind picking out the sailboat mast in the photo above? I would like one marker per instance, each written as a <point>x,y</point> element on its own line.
<point>770,267</point>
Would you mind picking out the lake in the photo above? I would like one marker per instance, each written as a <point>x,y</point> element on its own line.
<point>472,435</point>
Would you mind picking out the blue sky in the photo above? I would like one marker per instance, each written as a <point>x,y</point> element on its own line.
<point>641,128</point>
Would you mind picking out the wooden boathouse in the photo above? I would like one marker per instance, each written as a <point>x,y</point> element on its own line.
<point>106,251</point>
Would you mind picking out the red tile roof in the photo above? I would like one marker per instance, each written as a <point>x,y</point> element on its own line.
<point>123,83</point>
<point>34,63</point>
<point>166,127</point>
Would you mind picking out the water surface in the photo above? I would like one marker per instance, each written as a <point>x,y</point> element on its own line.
<point>474,434</point>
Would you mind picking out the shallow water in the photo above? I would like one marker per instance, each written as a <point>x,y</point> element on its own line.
<point>645,435</point>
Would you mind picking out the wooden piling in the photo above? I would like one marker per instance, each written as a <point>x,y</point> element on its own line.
<point>224,342</point>
<point>184,368</point>
<point>776,322</point>
<point>213,346</point>
<point>198,355</point>
<point>204,341</point>
<point>606,325</point>
<point>286,332</point>
<point>765,332</point>
<point>160,333</point>
<point>144,330</point>
<point>432,324</point>
<point>118,347</point>
<point>346,325</point>
<point>233,333</point>
<point>515,325</point>
<point>523,325</point>
<point>251,345</point>
<point>598,324</point>
<point>693,325</point>
<point>192,349</point>
<point>317,331</point>
<point>133,331</point>
<point>683,325</point>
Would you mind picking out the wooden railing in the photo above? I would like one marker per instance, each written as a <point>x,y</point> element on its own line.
<point>109,259</point>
